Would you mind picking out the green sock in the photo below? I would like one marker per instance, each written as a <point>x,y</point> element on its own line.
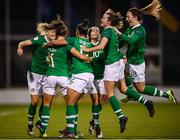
<point>45,115</point>
<point>95,111</point>
<point>116,106</point>
<point>70,118</point>
<point>100,107</point>
<point>135,95</point>
<point>152,91</point>
<point>40,112</point>
<point>76,117</point>
<point>129,81</point>
<point>31,113</point>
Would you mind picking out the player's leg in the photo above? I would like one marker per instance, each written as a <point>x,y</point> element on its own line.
<point>135,95</point>
<point>137,71</point>
<point>49,92</point>
<point>33,86</point>
<point>109,86</point>
<point>31,113</point>
<point>71,113</point>
<point>152,91</point>
<point>91,123</point>
<point>75,88</point>
<point>129,84</point>
<point>95,112</point>
<point>111,74</point>
<point>77,133</point>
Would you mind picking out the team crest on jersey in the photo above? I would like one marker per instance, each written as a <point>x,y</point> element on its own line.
<point>89,88</point>
<point>35,38</point>
<point>32,89</point>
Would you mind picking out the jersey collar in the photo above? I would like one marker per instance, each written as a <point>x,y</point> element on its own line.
<point>136,26</point>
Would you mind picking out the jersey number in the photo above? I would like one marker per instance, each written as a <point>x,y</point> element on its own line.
<point>50,56</point>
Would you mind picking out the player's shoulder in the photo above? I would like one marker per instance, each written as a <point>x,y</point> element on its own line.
<point>38,37</point>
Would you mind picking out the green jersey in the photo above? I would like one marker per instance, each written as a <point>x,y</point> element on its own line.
<point>38,64</point>
<point>98,63</point>
<point>59,64</point>
<point>135,37</point>
<point>79,66</point>
<point>111,51</point>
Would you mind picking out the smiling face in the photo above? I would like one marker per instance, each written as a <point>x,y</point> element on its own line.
<point>105,21</point>
<point>51,34</point>
<point>131,19</point>
<point>94,33</point>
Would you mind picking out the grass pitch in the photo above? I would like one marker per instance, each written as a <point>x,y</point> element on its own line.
<point>164,125</point>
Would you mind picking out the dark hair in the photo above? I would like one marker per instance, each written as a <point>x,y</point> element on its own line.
<point>152,9</point>
<point>136,12</point>
<point>91,29</point>
<point>59,25</point>
<point>62,31</point>
<point>83,27</point>
<point>115,18</point>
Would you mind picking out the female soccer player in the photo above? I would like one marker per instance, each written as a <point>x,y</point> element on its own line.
<point>37,70</point>
<point>114,67</point>
<point>82,78</point>
<point>98,71</point>
<point>135,38</point>
<point>58,71</point>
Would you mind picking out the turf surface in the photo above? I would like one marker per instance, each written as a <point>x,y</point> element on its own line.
<point>165,124</point>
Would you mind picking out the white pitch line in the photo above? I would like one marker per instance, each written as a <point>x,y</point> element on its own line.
<point>7,113</point>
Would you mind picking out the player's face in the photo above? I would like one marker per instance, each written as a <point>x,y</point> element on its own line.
<point>131,19</point>
<point>104,20</point>
<point>51,34</point>
<point>95,33</point>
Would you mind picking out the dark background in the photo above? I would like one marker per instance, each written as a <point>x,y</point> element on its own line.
<point>18,19</point>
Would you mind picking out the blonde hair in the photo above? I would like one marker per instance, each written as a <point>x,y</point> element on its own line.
<point>152,9</point>
<point>41,28</point>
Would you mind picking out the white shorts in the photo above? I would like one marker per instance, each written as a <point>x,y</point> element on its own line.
<point>36,83</point>
<point>137,72</point>
<point>52,82</point>
<point>83,83</point>
<point>115,71</point>
<point>99,84</point>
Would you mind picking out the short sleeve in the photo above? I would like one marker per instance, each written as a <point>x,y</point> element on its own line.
<point>70,40</point>
<point>106,33</point>
<point>36,39</point>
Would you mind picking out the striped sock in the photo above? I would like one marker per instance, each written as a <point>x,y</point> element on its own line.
<point>45,118</point>
<point>70,118</point>
<point>135,95</point>
<point>152,91</point>
<point>95,111</point>
<point>31,113</point>
<point>116,106</point>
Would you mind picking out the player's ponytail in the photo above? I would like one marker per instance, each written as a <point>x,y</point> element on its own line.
<point>83,27</point>
<point>152,9</point>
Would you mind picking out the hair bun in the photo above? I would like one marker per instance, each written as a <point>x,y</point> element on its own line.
<point>85,22</point>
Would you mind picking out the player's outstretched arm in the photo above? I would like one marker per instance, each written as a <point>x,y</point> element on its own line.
<point>21,46</point>
<point>80,56</point>
<point>101,46</point>
<point>55,43</point>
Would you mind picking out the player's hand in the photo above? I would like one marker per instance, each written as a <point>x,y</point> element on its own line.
<point>44,45</point>
<point>84,49</point>
<point>117,31</point>
<point>20,51</point>
<point>90,60</point>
